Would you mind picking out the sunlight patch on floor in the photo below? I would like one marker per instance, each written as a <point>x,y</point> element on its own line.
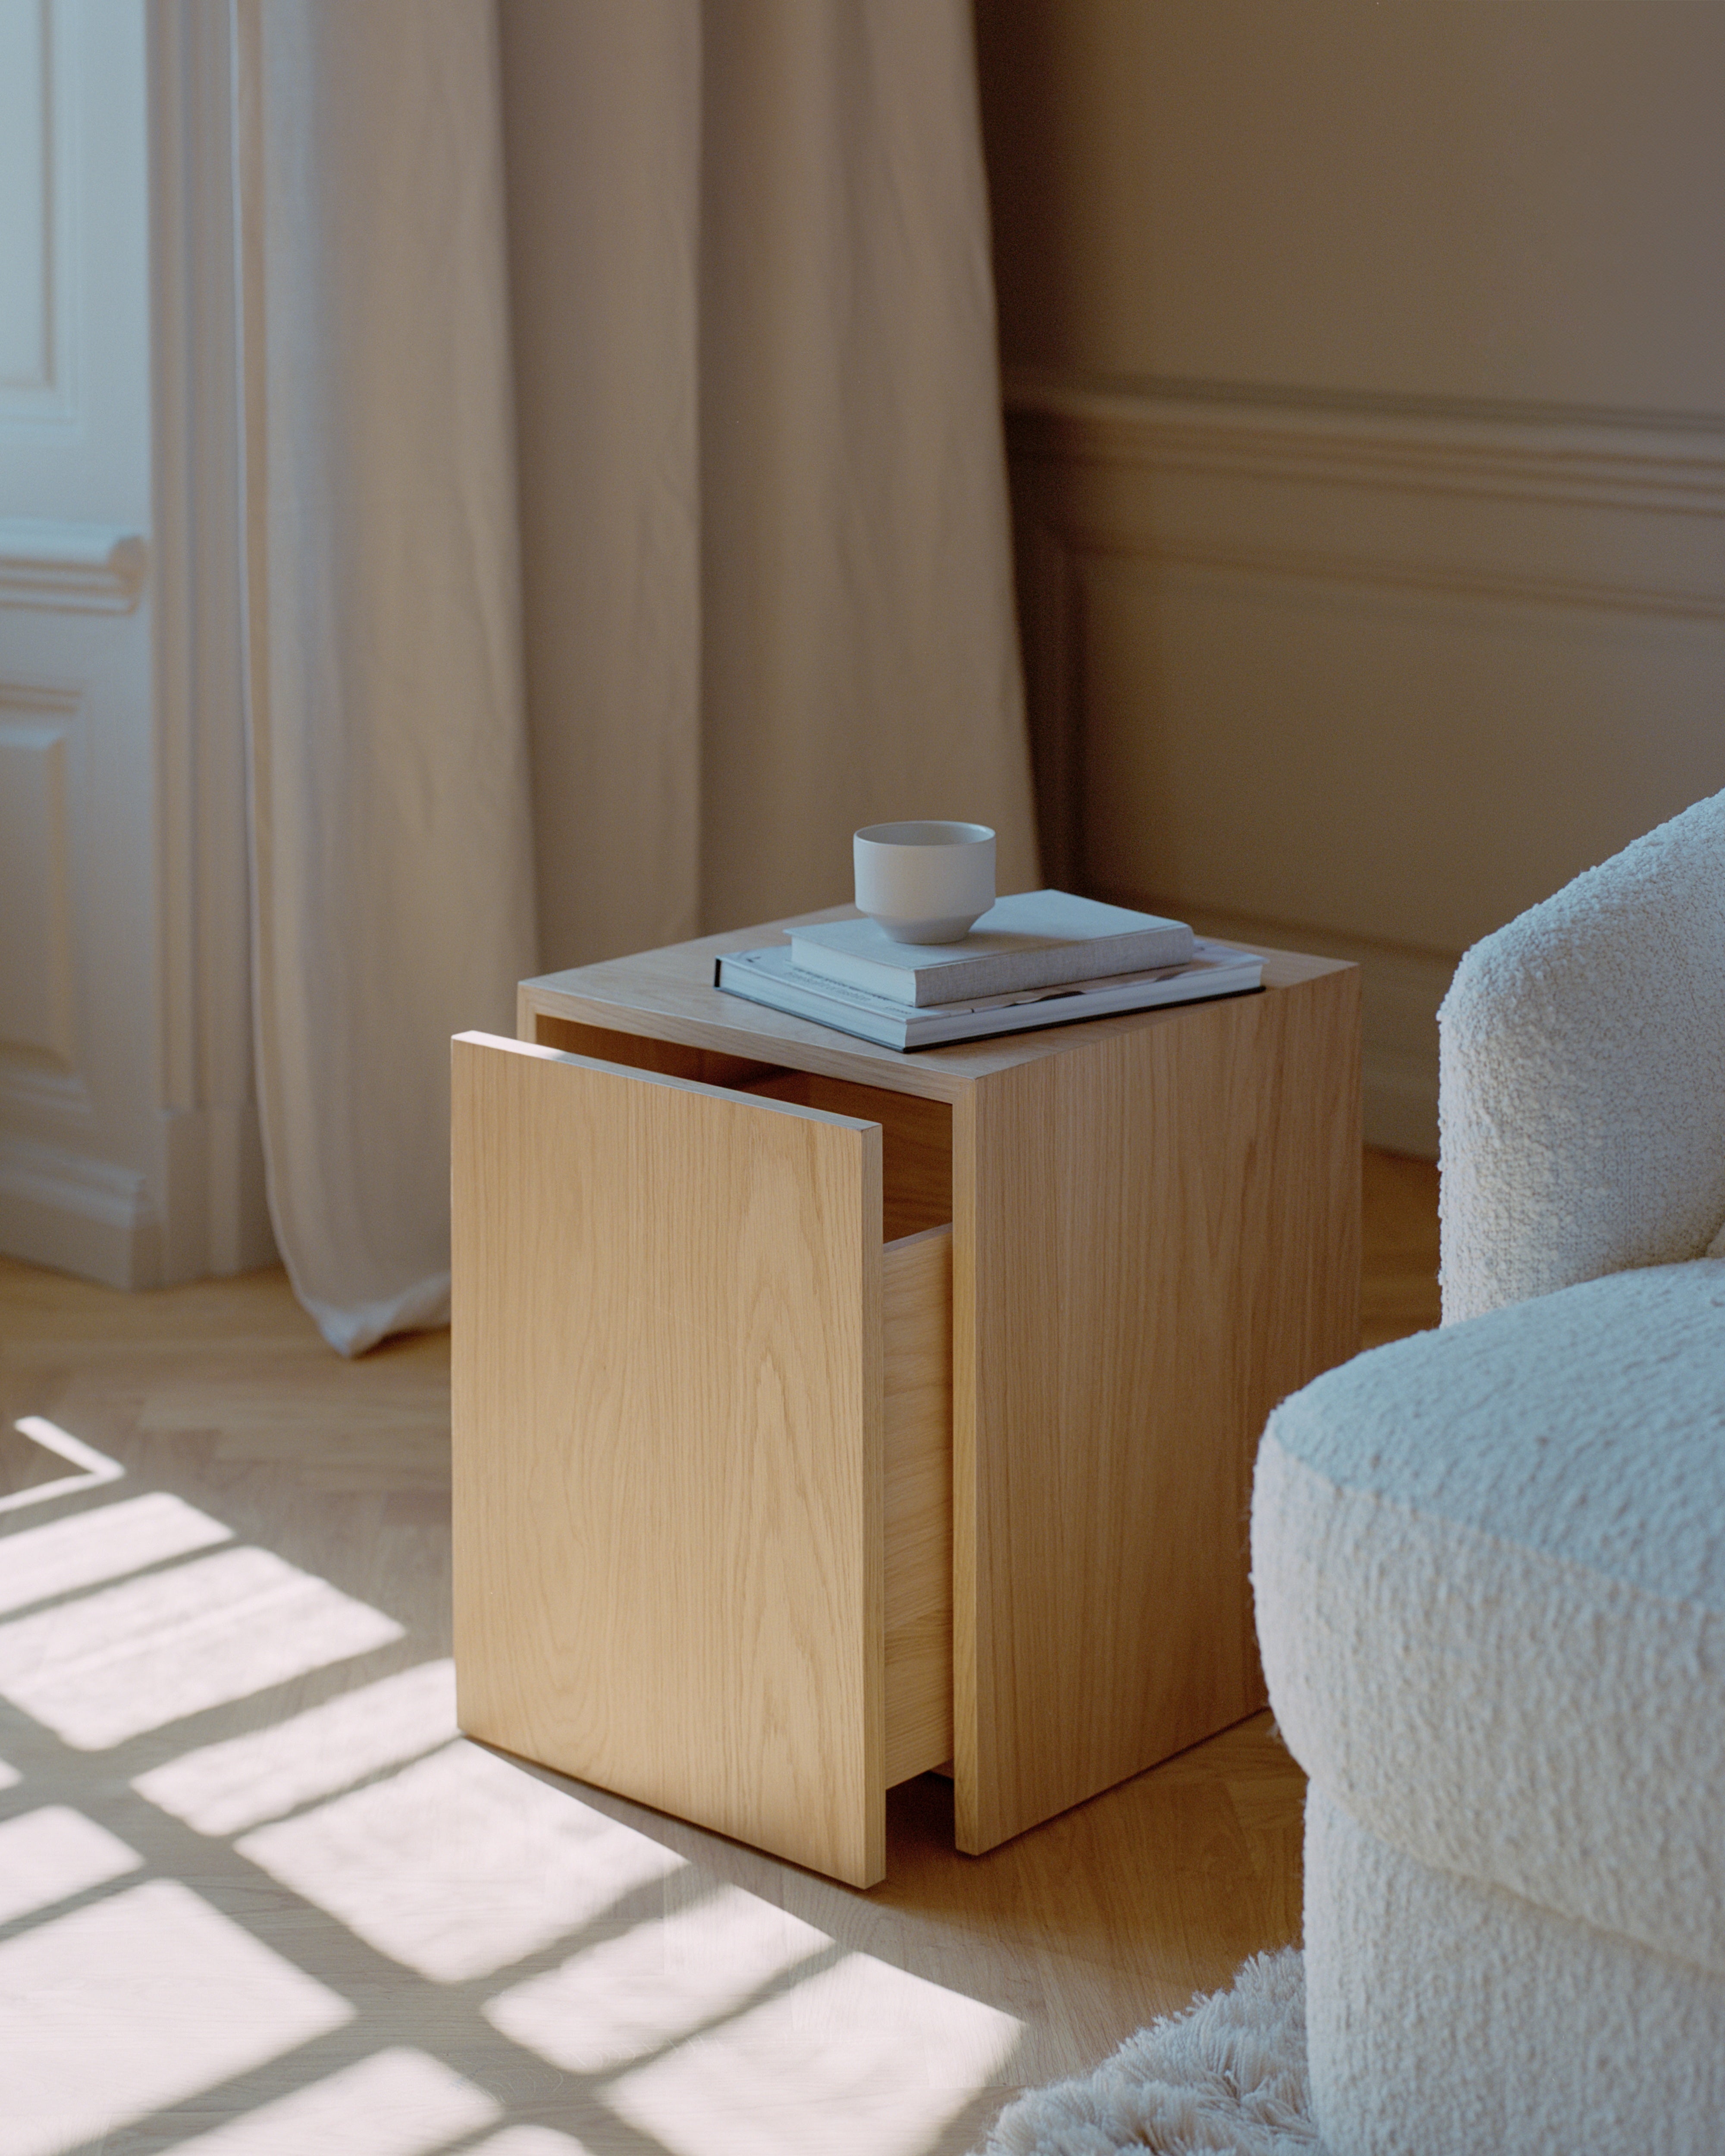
<point>50,1854</point>
<point>460,1864</point>
<point>862,2059</point>
<point>225,1787</point>
<point>105,1544</point>
<point>531,2141</point>
<point>93,1468</point>
<point>137,2001</point>
<point>629,1996</point>
<point>399,2103</point>
<point>128,1659</point>
<point>696,2019</point>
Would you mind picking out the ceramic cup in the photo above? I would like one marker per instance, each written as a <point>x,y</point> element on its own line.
<point>925,883</point>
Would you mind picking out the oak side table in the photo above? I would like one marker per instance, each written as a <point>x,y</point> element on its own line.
<point>824,1415</point>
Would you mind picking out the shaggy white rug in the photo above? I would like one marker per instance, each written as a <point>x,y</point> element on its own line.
<point>1225,2078</point>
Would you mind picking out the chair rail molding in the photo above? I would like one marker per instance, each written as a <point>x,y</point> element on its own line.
<point>1361,676</point>
<point>1593,457</point>
<point>71,568</point>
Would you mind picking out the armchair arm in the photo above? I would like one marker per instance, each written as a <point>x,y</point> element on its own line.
<point>1581,1090</point>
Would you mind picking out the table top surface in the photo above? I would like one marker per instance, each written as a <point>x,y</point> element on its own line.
<point>669,994</point>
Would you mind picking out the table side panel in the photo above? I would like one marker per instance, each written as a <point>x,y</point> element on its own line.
<point>1156,1238</point>
<point>668,1461</point>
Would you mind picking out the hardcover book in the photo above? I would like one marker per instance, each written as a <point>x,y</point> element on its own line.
<point>1032,939</point>
<point>771,977</point>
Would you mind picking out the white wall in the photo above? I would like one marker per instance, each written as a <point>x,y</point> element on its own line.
<point>1365,369</point>
<point>128,1144</point>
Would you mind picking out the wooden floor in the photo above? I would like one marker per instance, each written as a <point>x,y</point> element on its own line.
<point>249,1880</point>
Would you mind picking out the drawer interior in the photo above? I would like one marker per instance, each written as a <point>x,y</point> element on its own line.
<point>636,1051</point>
<point>917,1364</point>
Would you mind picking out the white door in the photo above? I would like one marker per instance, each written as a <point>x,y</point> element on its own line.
<point>128,1146</point>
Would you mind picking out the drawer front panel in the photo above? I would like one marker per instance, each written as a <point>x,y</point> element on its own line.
<point>669,1574</point>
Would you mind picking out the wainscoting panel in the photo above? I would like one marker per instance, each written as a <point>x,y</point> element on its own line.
<point>1364,682</point>
<point>36,984</point>
<point>27,188</point>
<point>45,124</point>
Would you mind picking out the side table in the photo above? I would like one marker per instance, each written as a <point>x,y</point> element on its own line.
<point>823,1414</point>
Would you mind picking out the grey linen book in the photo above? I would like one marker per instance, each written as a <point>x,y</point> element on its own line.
<point>1032,939</point>
<point>769,976</point>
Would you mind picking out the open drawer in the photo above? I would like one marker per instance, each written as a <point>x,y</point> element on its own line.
<point>702,1412</point>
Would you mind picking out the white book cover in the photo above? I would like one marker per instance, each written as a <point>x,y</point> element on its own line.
<point>769,976</point>
<point>1031,939</point>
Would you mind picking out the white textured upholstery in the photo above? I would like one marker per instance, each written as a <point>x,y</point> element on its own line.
<point>1493,1636</point>
<point>1490,1569</point>
<point>1445,2017</point>
<point>1582,1076</point>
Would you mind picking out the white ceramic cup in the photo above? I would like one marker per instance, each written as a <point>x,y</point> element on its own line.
<point>925,883</point>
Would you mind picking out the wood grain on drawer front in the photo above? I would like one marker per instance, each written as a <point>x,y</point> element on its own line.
<point>916,1364</point>
<point>668,1469</point>
<point>915,1141</point>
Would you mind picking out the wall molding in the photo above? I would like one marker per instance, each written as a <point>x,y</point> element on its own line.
<point>1402,984</point>
<point>42,56</point>
<point>38,990</point>
<point>1585,523</point>
<point>1441,579</point>
<point>71,568</point>
<point>1597,460</point>
<point>80,1215</point>
<point>40,700</point>
<point>44,1093</point>
<point>1597,512</point>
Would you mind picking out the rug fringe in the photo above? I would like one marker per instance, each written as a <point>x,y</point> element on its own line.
<point>1225,2078</point>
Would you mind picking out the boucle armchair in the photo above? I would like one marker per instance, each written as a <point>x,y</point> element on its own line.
<point>1490,1569</point>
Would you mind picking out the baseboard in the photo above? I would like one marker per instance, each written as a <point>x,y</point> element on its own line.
<point>78,1216</point>
<point>98,1221</point>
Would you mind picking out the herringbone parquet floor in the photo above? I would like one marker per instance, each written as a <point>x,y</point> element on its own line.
<point>252,1888</point>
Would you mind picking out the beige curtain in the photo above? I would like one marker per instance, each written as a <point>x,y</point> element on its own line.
<point>762,502</point>
<point>391,836</point>
<point>766,563</point>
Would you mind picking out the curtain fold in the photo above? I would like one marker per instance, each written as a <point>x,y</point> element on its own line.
<point>752,503</point>
<point>860,659</point>
<point>390,829</point>
<point>603,111</point>
<point>755,358</point>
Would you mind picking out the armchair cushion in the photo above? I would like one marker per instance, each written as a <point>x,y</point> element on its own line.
<point>1490,1571</point>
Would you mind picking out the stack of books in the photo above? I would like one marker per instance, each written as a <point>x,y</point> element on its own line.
<point>1039,957</point>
